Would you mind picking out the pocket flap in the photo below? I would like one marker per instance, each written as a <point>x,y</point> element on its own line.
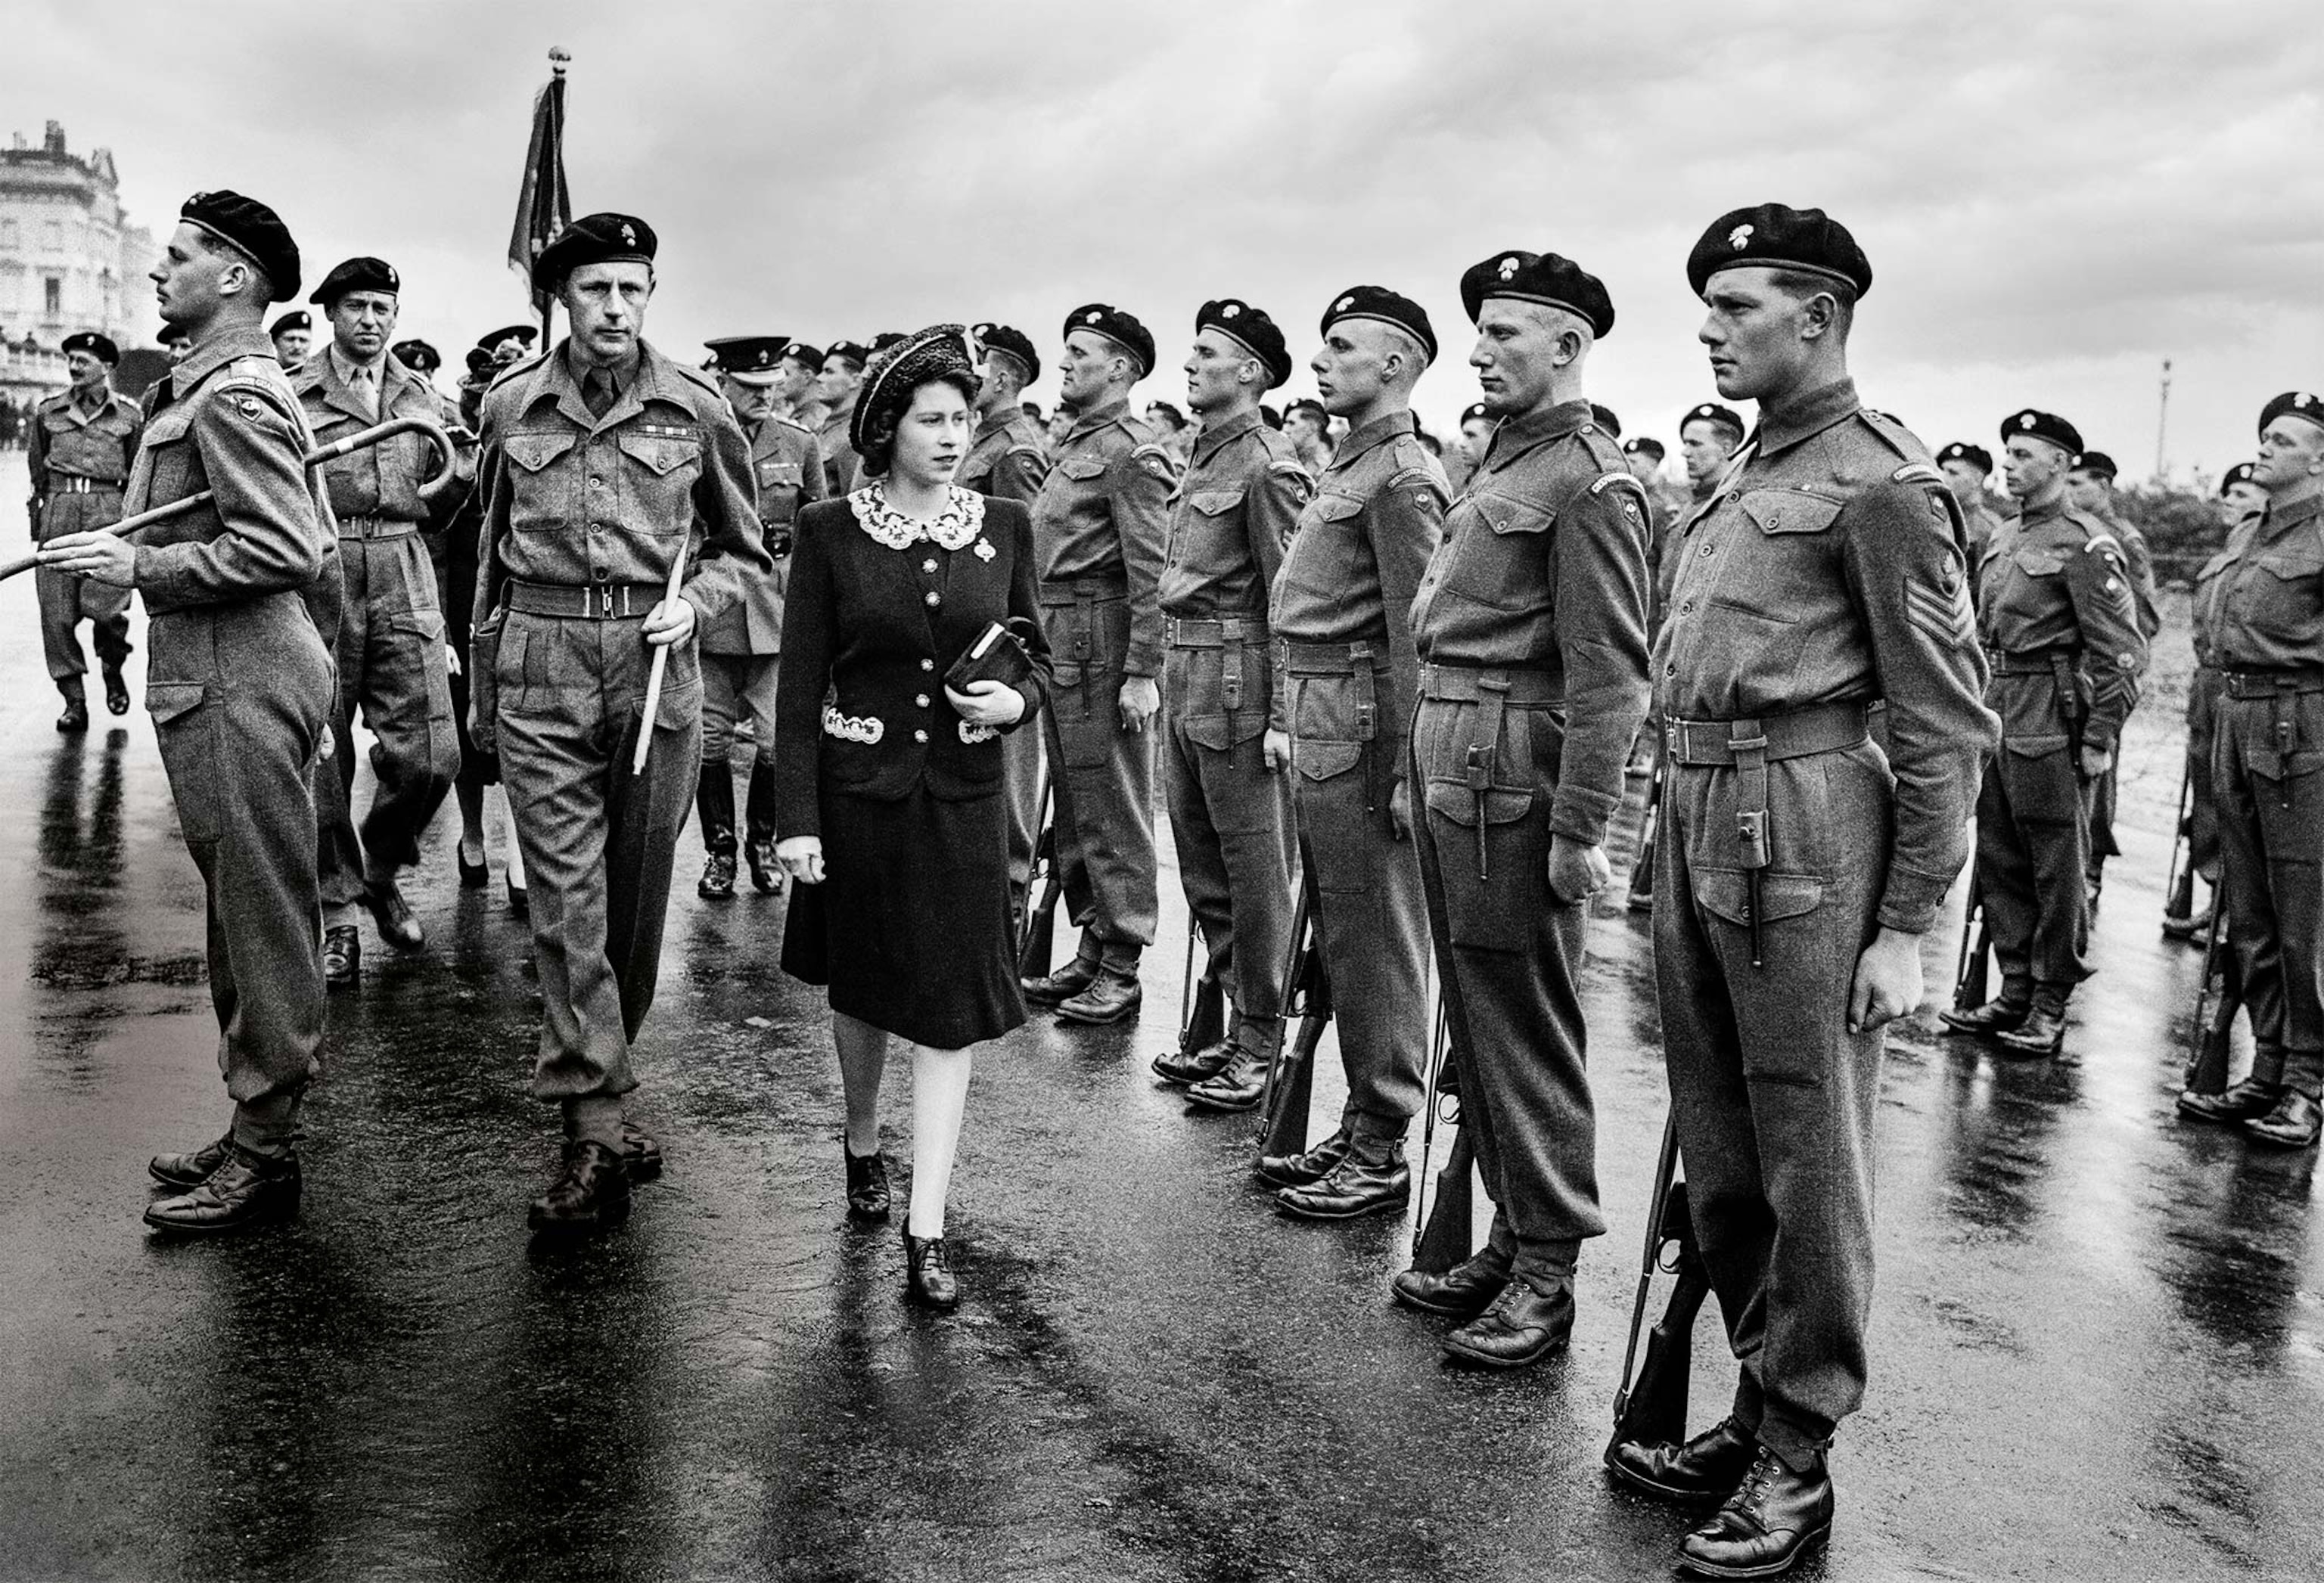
<point>1789,510</point>
<point>1213,502</point>
<point>1505,514</point>
<point>780,475</point>
<point>1081,470</point>
<point>170,426</point>
<point>1337,508</point>
<point>532,452</point>
<point>664,454</point>
<point>1726,893</point>
<point>1458,804</point>
<point>2041,563</point>
<point>165,701</point>
<point>2039,746</point>
<point>2295,561</point>
<point>427,624</point>
<point>2216,564</point>
<point>1322,760</point>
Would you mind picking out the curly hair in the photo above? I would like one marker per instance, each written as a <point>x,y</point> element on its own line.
<point>879,448</point>
<point>938,355</point>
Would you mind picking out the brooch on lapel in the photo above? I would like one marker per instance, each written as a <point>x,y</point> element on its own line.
<point>984,550</point>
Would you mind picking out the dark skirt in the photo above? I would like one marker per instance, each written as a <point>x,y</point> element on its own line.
<point>910,926</point>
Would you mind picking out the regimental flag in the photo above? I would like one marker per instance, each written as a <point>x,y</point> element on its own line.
<point>544,203</point>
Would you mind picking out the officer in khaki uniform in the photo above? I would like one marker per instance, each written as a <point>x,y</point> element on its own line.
<point>1346,674</point>
<point>741,649</point>
<point>1799,864</point>
<point>1531,625</point>
<point>600,460</point>
<point>391,631</point>
<point>1098,531</point>
<point>2060,623</point>
<point>77,450</point>
<point>2262,602</point>
<point>1231,517</point>
<point>1007,461</point>
<point>241,596</point>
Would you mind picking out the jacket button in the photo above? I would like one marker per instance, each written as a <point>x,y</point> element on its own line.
<point>922,700</point>
<point>597,483</point>
<point>1706,549</point>
<point>927,665</point>
<point>1686,607</point>
<point>935,598</point>
<point>919,736</point>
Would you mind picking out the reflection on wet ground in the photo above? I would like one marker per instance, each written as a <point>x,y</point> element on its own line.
<point>2098,1349</point>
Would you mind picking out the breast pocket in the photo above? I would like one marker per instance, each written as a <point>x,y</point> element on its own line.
<point>164,465</point>
<point>2284,595</point>
<point>658,476</point>
<point>779,491</point>
<point>1785,535</point>
<point>1502,567</point>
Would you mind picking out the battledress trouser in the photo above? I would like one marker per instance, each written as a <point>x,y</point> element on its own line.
<point>67,601</point>
<point>2268,769</point>
<point>1103,776</point>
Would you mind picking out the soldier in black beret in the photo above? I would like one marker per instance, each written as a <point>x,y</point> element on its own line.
<point>1472,435</point>
<point>2090,489</point>
<point>837,384</point>
<point>2240,499</point>
<point>1804,864</point>
<point>1966,468</point>
<point>2240,495</point>
<point>1606,419</point>
<point>794,393</point>
<point>418,357</point>
<point>79,444</point>
<point>293,335</point>
<point>1310,429</point>
<point>1708,436</point>
<point>509,344</point>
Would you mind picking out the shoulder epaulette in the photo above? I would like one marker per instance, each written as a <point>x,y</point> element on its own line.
<point>521,365</point>
<point>1892,434</point>
<point>700,376</point>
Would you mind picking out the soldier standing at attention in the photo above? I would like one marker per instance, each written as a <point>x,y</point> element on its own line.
<point>1346,674</point>
<point>1966,468</point>
<point>1008,460</point>
<point>1098,537</point>
<point>794,396</point>
<point>1231,517</point>
<point>391,635</point>
<point>740,648</point>
<point>293,336</point>
<point>1309,429</point>
<point>1828,570</point>
<point>2090,489</point>
<point>2060,622</point>
<point>239,685</point>
<point>600,460</point>
<point>2263,601</point>
<point>78,448</point>
<point>1708,436</point>
<point>1531,626</point>
<point>836,386</point>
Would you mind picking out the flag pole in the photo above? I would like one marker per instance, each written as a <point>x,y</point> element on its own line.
<point>559,59</point>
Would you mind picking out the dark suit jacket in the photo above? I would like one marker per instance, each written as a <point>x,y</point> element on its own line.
<point>861,705</point>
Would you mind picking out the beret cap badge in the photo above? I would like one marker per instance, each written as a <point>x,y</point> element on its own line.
<point>1509,269</point>
<point>1740,238</point>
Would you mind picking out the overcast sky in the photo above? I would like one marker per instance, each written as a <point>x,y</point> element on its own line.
<point>2055,197</point>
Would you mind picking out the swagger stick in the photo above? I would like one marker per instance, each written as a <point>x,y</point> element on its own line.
<point>660,664</point>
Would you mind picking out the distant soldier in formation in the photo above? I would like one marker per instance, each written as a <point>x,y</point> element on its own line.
<point>794,393</point>
<point>2240,499</point>
<point>1172,429</point>
<point>1310,429</point>
<point>80,445</point>
<point>1709,435</point>
<point>836,386</point>
<point>1966,468</point>
<point>293,336</point>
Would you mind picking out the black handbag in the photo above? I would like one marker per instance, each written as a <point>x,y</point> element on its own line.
<point>997,655</point>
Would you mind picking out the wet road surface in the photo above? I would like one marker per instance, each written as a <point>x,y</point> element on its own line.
<point>2099,1348</point>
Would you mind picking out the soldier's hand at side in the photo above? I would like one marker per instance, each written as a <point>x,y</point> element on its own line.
<point>107,556</point>
<point>987,703</point>
<point>670,621</point>
<point>1141,702</point>
<point>452,660</point>
<point>801,857</point>
<point>1577,871</point>
<point>1887,980</point>
<point>2097,762</point>
<point>1275,750</point>
<point>1399,810</point>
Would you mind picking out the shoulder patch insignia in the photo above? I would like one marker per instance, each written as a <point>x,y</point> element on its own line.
<point>1607,481</point>
<point>252,406</point>
<point>1916,473</point>
<point>1940,611</point>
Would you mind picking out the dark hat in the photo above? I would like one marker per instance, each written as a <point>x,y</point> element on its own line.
<point>100,347</point>
<point>1312,407</point>
<point>479,360</point>
<point>806,356</point>
<point>417,356</point>
<point>1387,307</point>
<point>172,334</point>
<point>298,319</point>
<point>604,238</point>
<point>1121,329</point>
<point>1269,416</point>
<point>887,339</point>
<point>1472,412</point>
<point>1646,445</point>
<point>1712,412</point>
<point>253,229</point>
<point>1249,328</point>
<point>2241,472</point>
<point>1774,236</point>
<point>1976,457</point>
<point>524,334</point>
<point>995,337</point>
<point>2031,424</point>
<point>903,366</point>
<point>752,360</point>
<point>849,351</point>
<point>2294,404</point>
<point>2096,463</point>
<point>1177,418</point>
<point>1603,417</point>
<point>1538,277</point>
<point>356,274</point>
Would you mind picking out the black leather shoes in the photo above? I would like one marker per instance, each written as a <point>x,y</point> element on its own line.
<point>1112,995</point>
<point>393,913</point>
<point>2187,926</point>
<point>473,876</point>
<point>2248,1101</point>
<point>76,715</point>
<point>1372,1178</point>
<point>1462,1292</point>
<point>519,904</point>
<point>1766,1527</point>
<point>718,883</point>
<point>766,874</point>
<point>1063,985</point>
<point>2293,1124</point>
<point>1238,1087</point>
<point>1993,1016</point>
<point>342,954</point>
<point>929,1279</point>
<point>1522,1326</point>
<point>117,690</point>
<point>246,1190</point>
<point>867,1184</point>
<point>1302,1169</point>
<point>2041,1034</point>
<point>184,1172</point>
<point>640,1154</point>
<point>1704,1472</point>
<point>1192,1066</point>
<point>592,1194</point>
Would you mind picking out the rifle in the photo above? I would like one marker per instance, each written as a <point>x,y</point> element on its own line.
<point>1446,1236</point>
<point>1653,1407</point>
<point>1650,824</point>
<point>1971,985</point>
<point>2222,991</point>
<point>2179,884</point>
<point>1037,943</point>
<point>1290,1089</point>
<point>1202,1000</point>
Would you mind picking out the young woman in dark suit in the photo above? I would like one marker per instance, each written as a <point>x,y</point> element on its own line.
<point>889,807</point>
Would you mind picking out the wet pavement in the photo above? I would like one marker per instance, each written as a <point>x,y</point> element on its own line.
<point>2098,1347</point>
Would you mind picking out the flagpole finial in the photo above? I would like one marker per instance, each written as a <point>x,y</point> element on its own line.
<point>558,58</point>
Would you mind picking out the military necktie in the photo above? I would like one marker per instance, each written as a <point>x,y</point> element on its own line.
<point>597,392</point>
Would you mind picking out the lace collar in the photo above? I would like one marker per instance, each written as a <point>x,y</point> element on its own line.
<point>958,524</point>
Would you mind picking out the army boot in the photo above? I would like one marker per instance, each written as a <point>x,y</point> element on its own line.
<point>2248,1101</point>
<point>246,1190</point>
<point>1112,995</point>
<point>1305,1168</point>
<point>1704,1472</point>
<point>2294,1123</point>
<point>714,802</point>
<point>1463,1291</point>
<point>2042,1032</point>
<point>185,1172</point>
<point>592,1193</point>
<point>1768,1525</point>
<point>1183,1066</point>
<point>117,690</point>
<point>76,715</point>
<point>1522,1326</point>
<point>759,835</point>
<point>1067,981</point>
<point>1373,1177</point>
<point>342,954</point>
<point>1994,1016</point>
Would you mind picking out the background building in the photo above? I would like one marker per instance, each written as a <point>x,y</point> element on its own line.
<point>68,261</point>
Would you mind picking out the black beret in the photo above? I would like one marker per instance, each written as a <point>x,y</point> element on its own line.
<point>849,351</point>
<point>2096,461</point>
<point>604,238</point>
<point>1269,416</point>
<point>806,356</point>
<point>1121,329</point>
<point>1538,277</point>
<point>1645,443</point>
<point>479,360</point>
<point>2294,404</point>
<point>2241,472</point>
<point>100,347</point>
<point>902,366</point>
<point>524,334</point>
<point>356,274</point>
<point>1779,237</point>
<point>173,334</point>
<point>1177,418</point>
<point>887,339</point>
<point>1976,457</point>
<point>1713,413</point>
<point>1472,412</point>
<point>1389,307</point>
<point>255,230</point>
<point>417,356</point>
<point>296,319</point>
<point>1313,408</point>
<point>1249,328</point>
<point>1604,417</point>
<point>1016,343</point>
<point>755,360</point>
<point>2031,424</point>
